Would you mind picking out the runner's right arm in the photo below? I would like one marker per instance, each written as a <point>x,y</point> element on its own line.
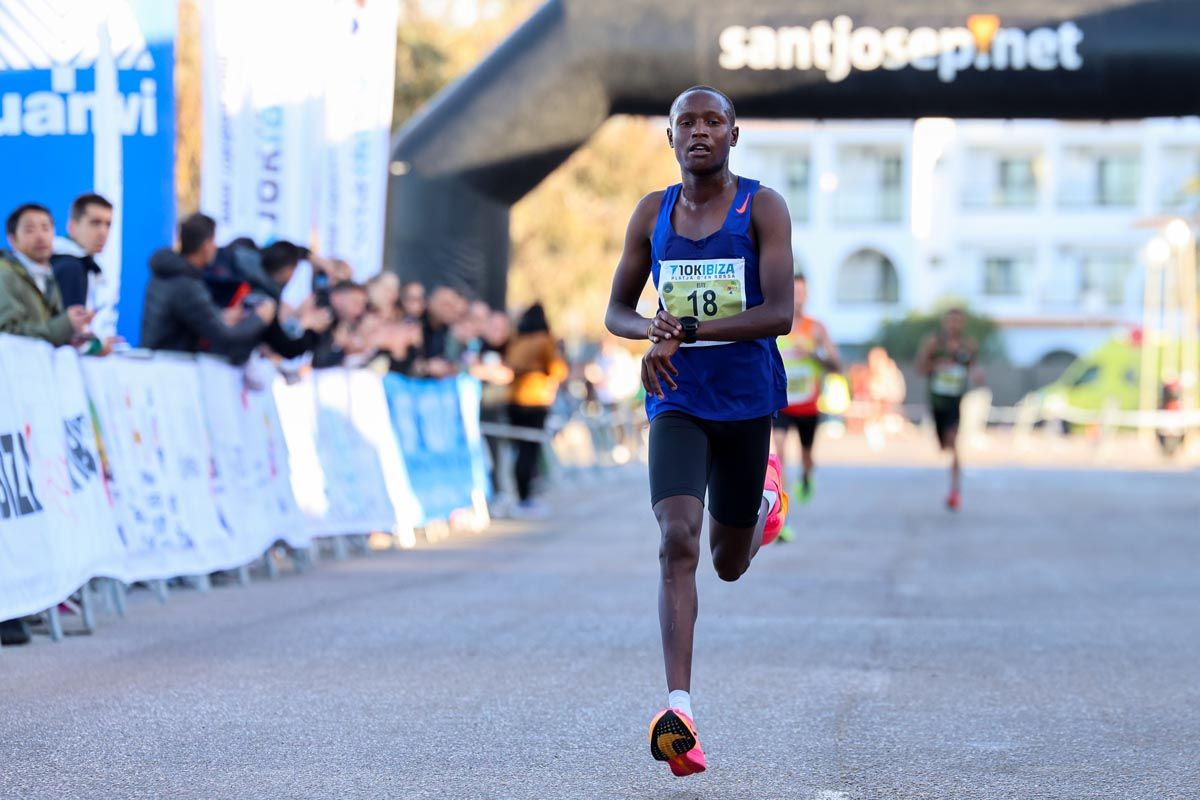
<point>832,360</point>
<point>925,356</point>
<point>622,318</point>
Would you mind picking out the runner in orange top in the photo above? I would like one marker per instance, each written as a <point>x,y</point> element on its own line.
<point>808,355</point>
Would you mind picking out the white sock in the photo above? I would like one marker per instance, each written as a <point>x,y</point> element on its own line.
<point>680,699</point>
<point>770,497</point>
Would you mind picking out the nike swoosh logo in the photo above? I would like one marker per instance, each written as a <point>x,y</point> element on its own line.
<point>745,203</point>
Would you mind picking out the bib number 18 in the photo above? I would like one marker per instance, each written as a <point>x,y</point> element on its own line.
<point>706,302</point>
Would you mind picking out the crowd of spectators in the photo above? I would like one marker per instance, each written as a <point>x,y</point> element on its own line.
<point>229,301</point>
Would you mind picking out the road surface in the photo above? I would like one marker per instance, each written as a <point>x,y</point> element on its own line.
<point>1043,643</point>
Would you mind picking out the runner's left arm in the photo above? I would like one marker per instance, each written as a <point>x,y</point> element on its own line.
<point>832,359</point>
<point>773,226</point>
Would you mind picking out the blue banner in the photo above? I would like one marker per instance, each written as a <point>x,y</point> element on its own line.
<point>444,466</point>
<point>48,110</point>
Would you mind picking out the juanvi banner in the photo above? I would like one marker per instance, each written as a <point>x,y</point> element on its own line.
<point>87,104</point>
<point>263,65</point>
<point>357,123</point>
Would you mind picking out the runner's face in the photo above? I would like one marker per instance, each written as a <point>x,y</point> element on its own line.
<point>953,323</point>
<point>702,134</point>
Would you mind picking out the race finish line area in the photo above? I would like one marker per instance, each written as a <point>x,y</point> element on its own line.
<point>528,399</point>
<point>899,651</point>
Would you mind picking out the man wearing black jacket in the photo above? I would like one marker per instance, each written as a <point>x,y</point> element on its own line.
<point>180,314</point>
<point>74,260</point>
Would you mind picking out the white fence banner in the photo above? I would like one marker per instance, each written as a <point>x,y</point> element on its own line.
<point>360,48</point>
<point>48,546</point>
<point>262,116</point>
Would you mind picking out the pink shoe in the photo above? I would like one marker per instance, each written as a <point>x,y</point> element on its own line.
<point>673,739</point>
<point>778,513</point>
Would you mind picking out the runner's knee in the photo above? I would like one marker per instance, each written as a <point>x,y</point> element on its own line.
<point>680,540</point>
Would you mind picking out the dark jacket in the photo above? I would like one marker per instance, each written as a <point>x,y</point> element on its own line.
<point>73,269</point>
<point>180,315</point>
<point>25,311</point>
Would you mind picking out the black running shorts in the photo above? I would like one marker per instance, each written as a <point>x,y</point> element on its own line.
<point>946,413</point>
<point>689,455</point>
<point>805,425</point>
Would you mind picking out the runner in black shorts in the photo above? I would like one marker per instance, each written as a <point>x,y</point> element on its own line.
<point>719,250</point>
<point>948,358</point>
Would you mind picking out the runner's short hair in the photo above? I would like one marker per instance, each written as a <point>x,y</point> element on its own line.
<point>701,88</point>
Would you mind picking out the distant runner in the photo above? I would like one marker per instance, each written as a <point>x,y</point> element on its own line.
<point>719,249</point>
<point>948,359</point>
<point>808,355</point>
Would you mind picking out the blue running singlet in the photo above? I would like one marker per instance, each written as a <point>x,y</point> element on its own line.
<point>713,278</point>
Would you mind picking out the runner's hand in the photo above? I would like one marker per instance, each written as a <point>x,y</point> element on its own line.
<point>664,327</point>
<point>80,318</point>
<point>657,367</point>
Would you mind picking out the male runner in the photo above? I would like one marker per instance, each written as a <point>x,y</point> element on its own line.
<point>948,358</point>
<point>808,354</point>
<point>719,250</point>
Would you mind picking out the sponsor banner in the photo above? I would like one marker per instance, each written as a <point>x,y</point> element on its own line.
<point>360,44</point>
<point>87,103</point>
<point>262,117</point>
<point>346,472</point>
<point>48,543</point>
<point>427,416</point>
<point>838,48</point>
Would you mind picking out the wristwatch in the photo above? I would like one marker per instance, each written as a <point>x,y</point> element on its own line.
<point>691,326</point>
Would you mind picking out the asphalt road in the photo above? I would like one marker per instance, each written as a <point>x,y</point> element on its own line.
<point>1044,643</point>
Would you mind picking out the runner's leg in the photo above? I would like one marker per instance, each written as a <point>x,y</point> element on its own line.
<point>737,509</point>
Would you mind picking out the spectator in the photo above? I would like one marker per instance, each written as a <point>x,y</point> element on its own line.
<point>538,369</point>
<point>180,314</point>
<point>383,291</point>
<point>496,377</point>
<point>30,300</point>
<point>74,261</point>
<point>345,340</point>
<point>31,305</point>
<point>446,307</point>
<point>291,333</point>
<point>412,301</point>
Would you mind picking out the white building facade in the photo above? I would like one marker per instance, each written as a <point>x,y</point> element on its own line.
<point>1039,224</point>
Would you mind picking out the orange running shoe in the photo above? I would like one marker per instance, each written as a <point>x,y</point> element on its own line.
<point>673,739</point>
<point>778,513</point>
<point>954,500</point>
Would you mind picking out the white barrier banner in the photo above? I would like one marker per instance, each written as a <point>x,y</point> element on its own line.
<point>346,469</point>
<point>360,51</point>
<point>47,545</point>
<point>262,116</point>
<point>147,471</point>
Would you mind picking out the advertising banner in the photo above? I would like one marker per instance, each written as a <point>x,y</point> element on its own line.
<point>87,104</point>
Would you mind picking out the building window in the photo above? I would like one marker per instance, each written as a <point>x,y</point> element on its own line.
<point>1016,183</point>
<point>796,185</point>
<point>1180,185</point>
<point>870,185</point>
<point>1117,180</point>
<point>1092,179</point>
<point>1002,276</point>
<point>994,179</point>
<point>868,276</point>
<point>1102,279</point>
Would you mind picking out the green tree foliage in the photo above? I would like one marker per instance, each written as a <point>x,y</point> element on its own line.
<point>902,338</point>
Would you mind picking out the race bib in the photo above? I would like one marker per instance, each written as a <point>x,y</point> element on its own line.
<point>802,382</point>
<point>707,290</point>
<point>949,380</point>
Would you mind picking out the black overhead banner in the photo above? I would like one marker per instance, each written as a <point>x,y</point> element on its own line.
<point>485,142</point>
